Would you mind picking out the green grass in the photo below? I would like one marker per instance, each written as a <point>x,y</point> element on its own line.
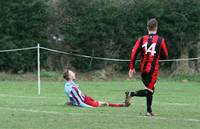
<point>176,103</point>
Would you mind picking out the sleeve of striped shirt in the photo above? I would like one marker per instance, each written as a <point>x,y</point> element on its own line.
<point>164,52</point>
<point>68,89</point>
<point>135,51</point>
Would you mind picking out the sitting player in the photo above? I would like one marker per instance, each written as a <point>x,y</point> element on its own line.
<point>77,98</point>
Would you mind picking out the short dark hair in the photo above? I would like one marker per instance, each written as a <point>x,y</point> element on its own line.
<point>66,74</point>
<point>152,24</point>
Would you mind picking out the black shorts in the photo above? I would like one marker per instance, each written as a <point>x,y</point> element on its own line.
<point>148,80</point>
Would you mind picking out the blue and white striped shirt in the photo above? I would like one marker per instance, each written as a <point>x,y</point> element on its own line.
<point>74,93</point>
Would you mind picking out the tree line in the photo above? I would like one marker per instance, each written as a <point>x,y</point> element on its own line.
<point>103,28</point>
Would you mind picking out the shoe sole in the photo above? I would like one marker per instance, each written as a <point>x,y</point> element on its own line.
<point>127,104</point>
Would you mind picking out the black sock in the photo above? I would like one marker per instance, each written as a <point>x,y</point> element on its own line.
<point>144,93</point>
<point>140,93</point>
<point>149,101</point>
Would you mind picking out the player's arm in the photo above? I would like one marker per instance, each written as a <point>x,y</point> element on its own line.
<point>68,89</point>
<point>164,52</point>
<point>135,51</point>
<point>69,103</point>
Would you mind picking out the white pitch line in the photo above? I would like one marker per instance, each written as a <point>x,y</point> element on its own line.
<point>175,104</point>
<point>173,119</point>
<point>102,114</point>
<point>28,110</point>
<point>29,97</point>
<point>50,97</point>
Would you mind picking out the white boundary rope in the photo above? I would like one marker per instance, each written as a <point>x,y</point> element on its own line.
<point>79,55</point>
<point>112,59</point>
<point>182,59</point>
<point>84,56</point>
<point>20,49</point>
<point>92,57</point>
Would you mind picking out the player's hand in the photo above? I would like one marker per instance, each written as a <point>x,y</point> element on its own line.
<point>68,104</point>
<point>131,73</point>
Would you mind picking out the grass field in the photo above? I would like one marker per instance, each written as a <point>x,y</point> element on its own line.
<point>176,103</point>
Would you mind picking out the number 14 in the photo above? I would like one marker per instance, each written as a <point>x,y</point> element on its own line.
<point>151,49</point>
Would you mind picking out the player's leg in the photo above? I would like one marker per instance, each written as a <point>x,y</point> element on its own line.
<point>141,93</point>
<point>149,98</point>
<point>107,104</point>
<point>116,104</point>
<point>130,94</point>
<point>90,101</point>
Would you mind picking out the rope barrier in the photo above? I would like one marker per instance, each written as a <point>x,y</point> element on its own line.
<point>92,57</point>
<point>20,49</point>
<point>112,59</point>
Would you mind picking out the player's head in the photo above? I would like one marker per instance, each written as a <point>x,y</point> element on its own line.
<point>152,24</point>
<point>69,75</point>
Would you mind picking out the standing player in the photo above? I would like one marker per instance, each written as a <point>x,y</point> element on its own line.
<point>77,98</point>
<point>151,47</point>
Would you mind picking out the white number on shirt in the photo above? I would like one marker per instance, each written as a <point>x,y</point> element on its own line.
<point>151,49</point>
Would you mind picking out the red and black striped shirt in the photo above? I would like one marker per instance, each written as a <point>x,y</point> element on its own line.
<point>150,47</point>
